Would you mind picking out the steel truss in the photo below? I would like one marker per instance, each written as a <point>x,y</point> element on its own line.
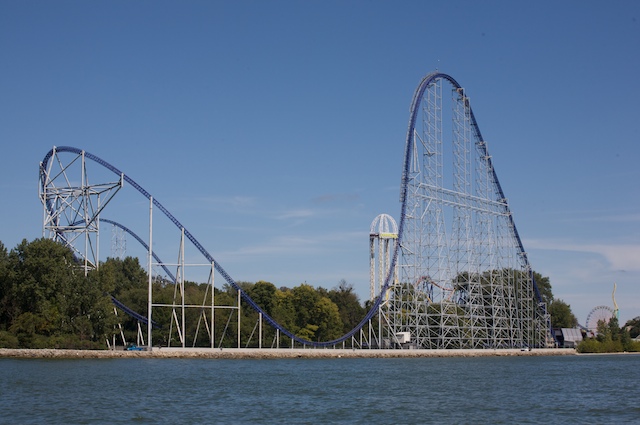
<point>383,235</point>
<point>186,316</point>
<point>72,207</point>
<point>457,275</point>
<point>464,279</point>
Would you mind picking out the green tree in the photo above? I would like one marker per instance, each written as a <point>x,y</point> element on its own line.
<point>44,271</point>
<point>348,303</point>
<point>633,326</point>
<point>264,294</point>
<point>305,298</point>
<point>116,276</point>
<point>7,290</point>
<point>285,309</point>
<point>614,328</point>
<point>544,287</point>
<point>46,299</point>
<point>317,318</point>
<point>625,339</point>
<point>327,318</point>
<point>609,339</point>
<point>561,315</point>
<point>46,281</point>
<point>127,281</point>
<point>603,332</point>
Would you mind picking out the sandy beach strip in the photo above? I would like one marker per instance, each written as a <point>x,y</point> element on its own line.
<point>275,353</point>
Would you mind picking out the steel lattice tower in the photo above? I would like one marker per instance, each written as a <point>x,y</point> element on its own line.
<point>464,278</point>
<point>72,205</point>
<point>118,243</point>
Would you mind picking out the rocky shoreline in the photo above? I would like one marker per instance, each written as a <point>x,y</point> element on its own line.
<point>280,353</point>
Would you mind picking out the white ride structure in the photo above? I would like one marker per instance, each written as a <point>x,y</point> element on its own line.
<point>383,236</point>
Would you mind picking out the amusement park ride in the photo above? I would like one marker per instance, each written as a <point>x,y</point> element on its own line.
<point>602,313</point>
<point>451,273</point>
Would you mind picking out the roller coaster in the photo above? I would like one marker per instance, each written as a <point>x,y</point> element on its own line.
<point>457,277</point>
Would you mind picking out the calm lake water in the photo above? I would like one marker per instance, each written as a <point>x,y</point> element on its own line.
<point>488,390</point>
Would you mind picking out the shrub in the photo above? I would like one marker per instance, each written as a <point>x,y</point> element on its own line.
<point>8,340</point>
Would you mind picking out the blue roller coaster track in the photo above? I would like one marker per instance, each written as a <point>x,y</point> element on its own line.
<point>114,300</point>
<point>143,243</point>
<point>139,317</point>
<point>417,99</point>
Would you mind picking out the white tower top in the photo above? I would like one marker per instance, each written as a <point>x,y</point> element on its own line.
<point>384,226</point>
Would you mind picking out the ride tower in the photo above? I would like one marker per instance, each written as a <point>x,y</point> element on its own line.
<point>383,235</point>
<point>72,205</point>
<point>464,277</point>
<point>72,209</point>
<point>456,275</point>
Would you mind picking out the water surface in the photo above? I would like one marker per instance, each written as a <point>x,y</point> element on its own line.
<point>479,390</point>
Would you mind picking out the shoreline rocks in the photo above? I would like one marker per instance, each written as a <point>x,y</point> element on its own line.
<point>270,353</point>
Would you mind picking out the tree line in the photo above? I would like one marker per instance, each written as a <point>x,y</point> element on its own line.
<point>46,300</point>
<point>611,338</point>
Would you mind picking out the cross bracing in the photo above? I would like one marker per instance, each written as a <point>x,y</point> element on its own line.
<point>453,275</point>
<point>464,278</point>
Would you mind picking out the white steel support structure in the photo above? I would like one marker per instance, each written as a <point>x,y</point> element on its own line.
<point>383,235</point>
<point>178,298</point>
<point>118,243</point>
<point>72,205</point>
<point>464,281</point>
<point>150,279</point>
<point>383,238</point>
<point>182,322</point>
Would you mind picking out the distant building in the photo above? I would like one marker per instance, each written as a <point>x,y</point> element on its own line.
<point>568,337</point>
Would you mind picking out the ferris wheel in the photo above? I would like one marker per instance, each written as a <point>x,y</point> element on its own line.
<point>601,313</point>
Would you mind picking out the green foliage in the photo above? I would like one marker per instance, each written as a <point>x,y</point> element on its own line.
<point>634,347</point>
<point>46,299</point>
<point>7,299</point>
<point>116,276</point>
<point>544,287</point>
<point>561,315</point>
<point>326,317</point>
<point>305,298</point>
<point>560,311</point>
<point>610,338</point>
<point>41,272</point>
<point>285,309</point>
<point>264,294</point>
<point>348,303</point>
<point>8,340</point>
<point>633,326</point>
<point>308,332</point>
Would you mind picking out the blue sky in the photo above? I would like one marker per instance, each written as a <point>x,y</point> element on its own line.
<point>274,131</point>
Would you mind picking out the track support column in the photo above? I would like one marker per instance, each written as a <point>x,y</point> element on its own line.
<point>150,265</point>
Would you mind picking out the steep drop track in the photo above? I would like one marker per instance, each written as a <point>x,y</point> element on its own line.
<point>415,106</point>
